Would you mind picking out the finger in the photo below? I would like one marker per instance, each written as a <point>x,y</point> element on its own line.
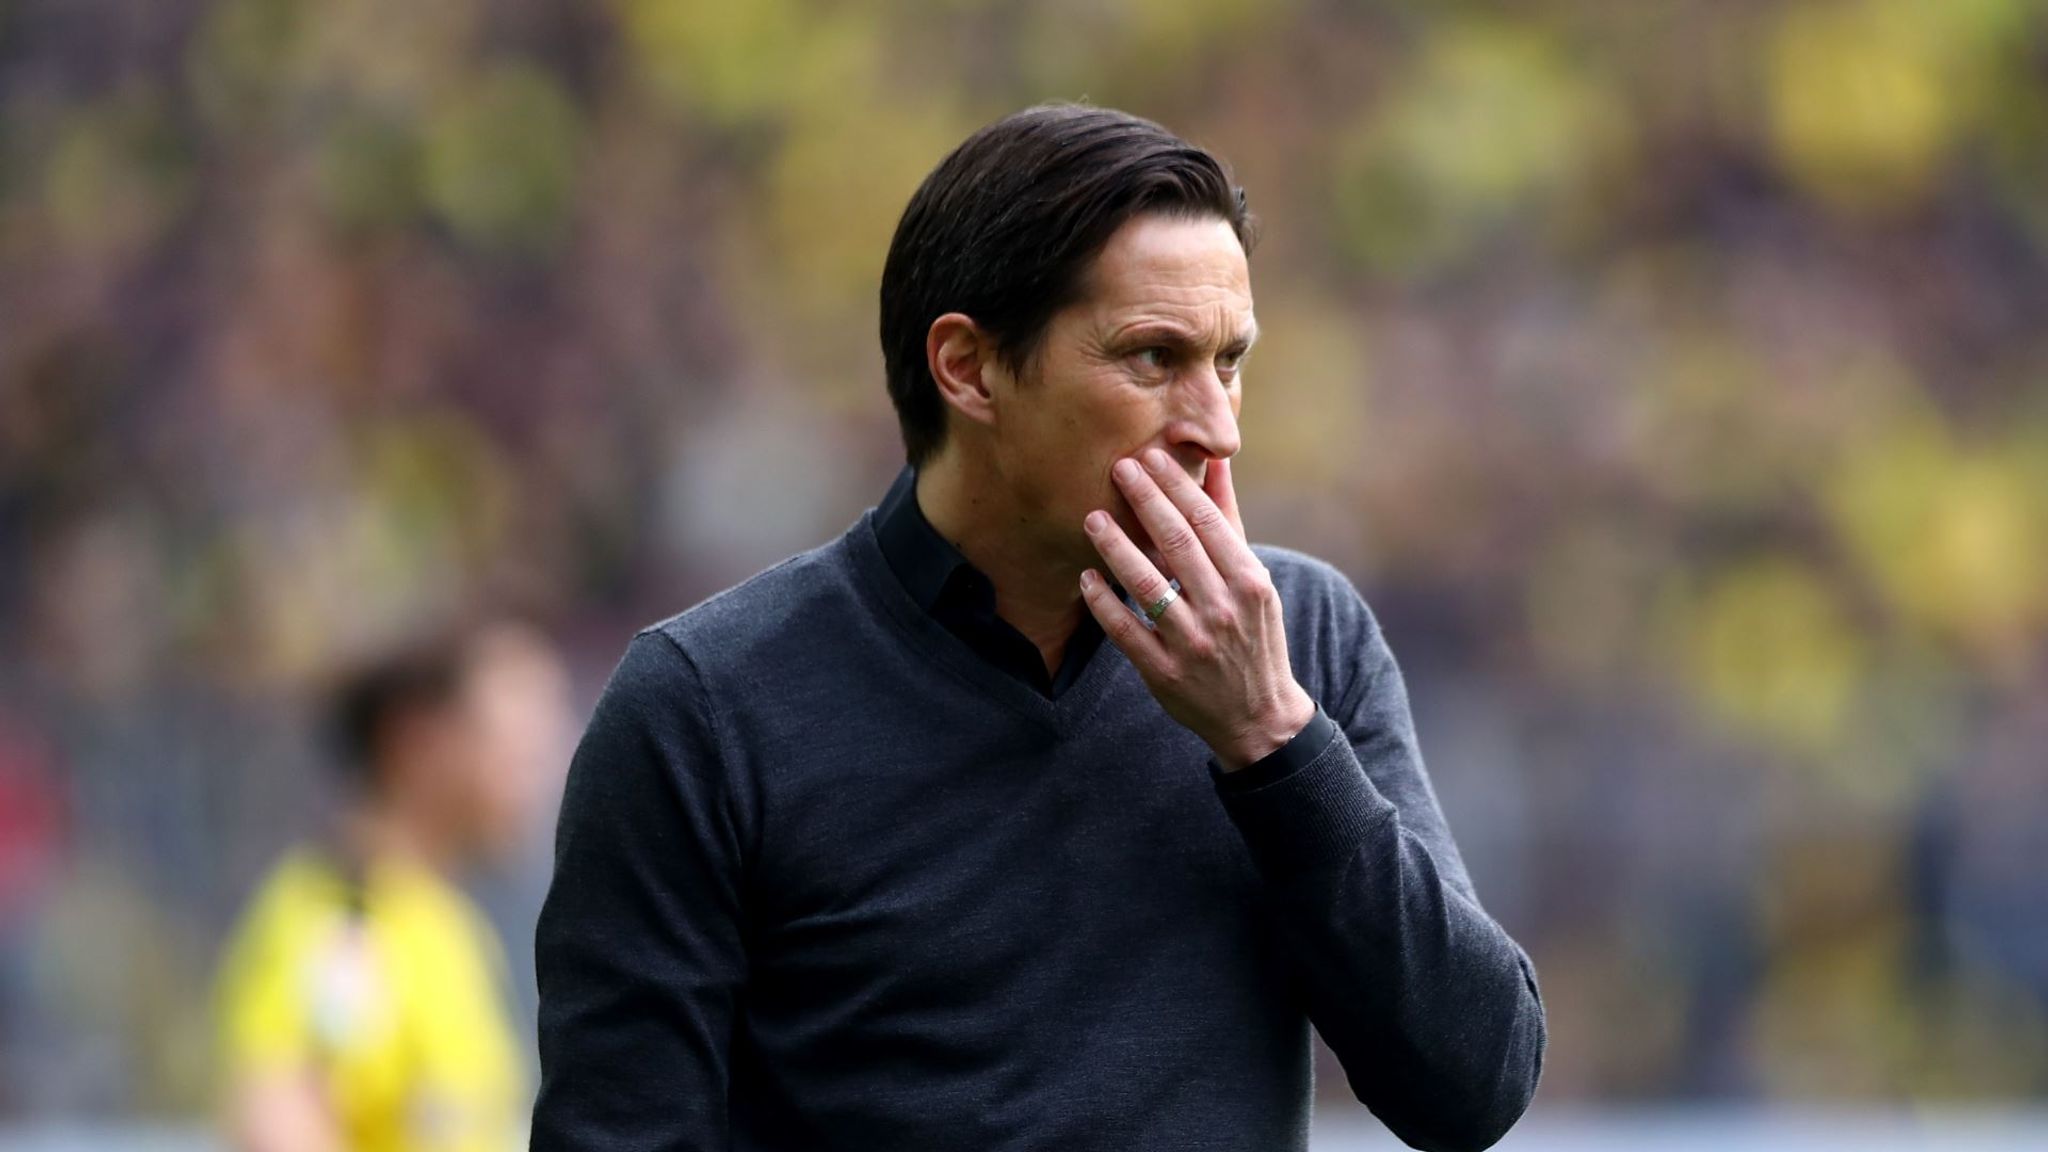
<point>1137,574</point>
<point>1183,551</point>
<point>1124,627</point>
<point>1221,488</point>
<point>1223,540</point>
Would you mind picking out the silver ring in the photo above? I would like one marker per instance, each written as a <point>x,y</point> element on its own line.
<point>1158,607</point>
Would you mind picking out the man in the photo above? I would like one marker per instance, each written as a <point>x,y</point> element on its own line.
<point>885,849</point>
<point>360,998</point>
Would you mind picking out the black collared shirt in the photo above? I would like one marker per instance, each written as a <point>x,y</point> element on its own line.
<point>956,593</point>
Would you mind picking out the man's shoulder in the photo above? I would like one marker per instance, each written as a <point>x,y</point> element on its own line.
<point>295,902</point>
<point>788,600</point>
<point>1326,613</point>
<point>1300,576</point>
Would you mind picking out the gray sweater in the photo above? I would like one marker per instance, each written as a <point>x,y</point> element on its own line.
<point>825,879</point>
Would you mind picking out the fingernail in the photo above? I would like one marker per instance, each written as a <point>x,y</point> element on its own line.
<point>1097,521</point>
<point>1126,469</point>
<point>1155,459</point>
<point>1088,579</point>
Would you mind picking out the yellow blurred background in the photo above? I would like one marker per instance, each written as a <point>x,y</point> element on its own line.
<point>1672,377</point>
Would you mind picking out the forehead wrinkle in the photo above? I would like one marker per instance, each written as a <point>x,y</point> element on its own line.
<point>1191,282</point>
<point>1193,290</point>
<point>1214,322</point>
<point>1132,300</point>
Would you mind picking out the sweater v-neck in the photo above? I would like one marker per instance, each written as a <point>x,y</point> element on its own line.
<point>1061,714</point>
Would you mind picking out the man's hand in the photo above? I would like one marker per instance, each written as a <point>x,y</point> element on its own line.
<point>1217,657</point>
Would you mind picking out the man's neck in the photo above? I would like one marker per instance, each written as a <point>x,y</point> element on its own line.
<point>1037,587</point>
<point>381,832</point>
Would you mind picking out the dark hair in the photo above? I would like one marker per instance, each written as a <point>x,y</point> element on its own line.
<point>420,677</point>
<point>1005,227</point>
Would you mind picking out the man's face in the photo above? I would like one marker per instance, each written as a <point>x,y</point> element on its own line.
<point>1148,357</point>
<point>509,734</point>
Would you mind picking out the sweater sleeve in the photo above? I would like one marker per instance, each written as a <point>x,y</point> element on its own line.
<point>638,951</point>
<point>1430,1006</point>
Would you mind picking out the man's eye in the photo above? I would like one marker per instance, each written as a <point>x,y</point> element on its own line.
<point>1158,358</point>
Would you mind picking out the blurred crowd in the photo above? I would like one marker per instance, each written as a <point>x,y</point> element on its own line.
<point>1672,378</point>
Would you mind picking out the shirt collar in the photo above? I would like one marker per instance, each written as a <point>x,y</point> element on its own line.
<point>922,559</point>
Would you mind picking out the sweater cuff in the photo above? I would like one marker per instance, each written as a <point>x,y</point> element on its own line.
<point>1311,817</point>
<point>1283,761</point>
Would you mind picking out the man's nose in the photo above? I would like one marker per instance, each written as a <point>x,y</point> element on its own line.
<point>1209,422</point>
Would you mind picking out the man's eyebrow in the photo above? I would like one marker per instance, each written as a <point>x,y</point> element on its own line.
<point>1172,332</point>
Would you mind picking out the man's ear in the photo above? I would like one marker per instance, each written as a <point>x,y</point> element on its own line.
<point>962,358</point>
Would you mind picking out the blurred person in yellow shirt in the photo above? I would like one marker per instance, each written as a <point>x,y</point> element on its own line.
<point>362,998</point>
